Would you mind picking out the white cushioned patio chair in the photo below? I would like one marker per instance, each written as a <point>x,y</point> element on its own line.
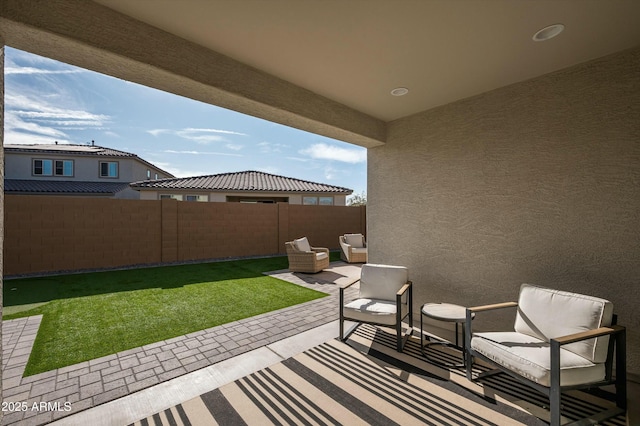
<point>561,341</point>
<point>304,258</point>
<point>353,248</point>
<point>385,298</point>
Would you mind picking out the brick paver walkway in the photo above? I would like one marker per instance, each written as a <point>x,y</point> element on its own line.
<point>94,382</point>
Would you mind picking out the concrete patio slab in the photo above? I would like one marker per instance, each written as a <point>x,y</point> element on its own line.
<point>165,395</point>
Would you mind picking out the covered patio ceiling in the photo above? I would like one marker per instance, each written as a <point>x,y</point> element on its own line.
<point>355,52</point>
<point>322,66</point>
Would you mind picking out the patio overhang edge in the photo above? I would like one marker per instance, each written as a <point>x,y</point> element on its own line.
<point>125,48</point>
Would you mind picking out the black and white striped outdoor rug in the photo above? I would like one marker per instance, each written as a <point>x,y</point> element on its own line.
<point>367,382</point>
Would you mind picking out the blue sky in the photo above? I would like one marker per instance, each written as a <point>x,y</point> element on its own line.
<point>48,101</point>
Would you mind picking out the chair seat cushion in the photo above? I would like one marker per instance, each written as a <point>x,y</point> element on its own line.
<point>362,250</point>
<point>321,255</point>
<point>530,357</point>
<point>373,310</point>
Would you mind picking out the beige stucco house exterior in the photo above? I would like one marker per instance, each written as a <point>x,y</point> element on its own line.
<point>509,160</point>
<point>243,187</point>
<point>75,170</point>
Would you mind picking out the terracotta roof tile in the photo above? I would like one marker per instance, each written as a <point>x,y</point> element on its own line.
<point>241,181</point>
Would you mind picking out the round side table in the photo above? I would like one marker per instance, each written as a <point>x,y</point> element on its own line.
<point>446,312</point>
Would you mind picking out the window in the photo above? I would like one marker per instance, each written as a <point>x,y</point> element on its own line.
<point>200,198</point>
<point>310,201</point>
<point>156,176</point>
<point>170,197</point>
<point>64,168</point>
<point>326,201</point>
<point>148,174</point>
<point>42,167</point>
<point>109,169</point>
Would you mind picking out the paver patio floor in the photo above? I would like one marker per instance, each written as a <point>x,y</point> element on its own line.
<point>91,383</point>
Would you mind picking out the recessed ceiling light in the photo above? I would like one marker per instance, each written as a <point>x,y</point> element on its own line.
<point>399,91</point>
<point>548,32</point>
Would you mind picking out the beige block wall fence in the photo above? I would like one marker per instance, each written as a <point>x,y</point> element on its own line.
<point>45,234</point>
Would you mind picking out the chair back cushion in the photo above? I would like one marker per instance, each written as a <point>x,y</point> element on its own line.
<point>545,313</point>
<point>382,282</point>
<point>354,240</point>
<point>302,244</point>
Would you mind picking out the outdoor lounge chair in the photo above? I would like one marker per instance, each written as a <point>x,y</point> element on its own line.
<point>385,299</point>
<point>353,248</point>
<point>561,341</point>
<point>304,258</point>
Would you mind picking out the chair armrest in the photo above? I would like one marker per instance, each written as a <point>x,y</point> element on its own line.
<point>342,288</point>
<point>493,307</point>
<point>321,249</point>
<point>589,334</point>
<point>404,288</point>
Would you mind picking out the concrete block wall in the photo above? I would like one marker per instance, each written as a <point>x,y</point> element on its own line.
<point>47,234</point>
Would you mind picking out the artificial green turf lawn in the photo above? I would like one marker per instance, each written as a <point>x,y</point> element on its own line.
<point>86,316</point>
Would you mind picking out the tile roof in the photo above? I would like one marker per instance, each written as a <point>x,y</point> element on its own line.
<point>241,181</point>
<point>71,149</point>
<point>33,186</point>
<point>68,149</point>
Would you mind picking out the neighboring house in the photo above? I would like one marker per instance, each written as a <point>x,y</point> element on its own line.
<point>77,170</point>
<point>243,187</point>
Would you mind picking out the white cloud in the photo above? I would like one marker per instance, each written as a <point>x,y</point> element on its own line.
<point>201,136</point>
<point>234,147</point>
<point>330,173</point>
<point>303,160</point>
<point>112,134</point>
<point>14,123</point>
<point>170,151</point>
<point>226,132</point>
<point>33,110</point>
<point>322,151</point>
<point>32,70</point>
<point>156,132</point>
<point>268,147</point>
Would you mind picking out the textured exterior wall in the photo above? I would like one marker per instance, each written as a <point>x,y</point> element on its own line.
<point>221,197</point>
<point>85,168</point>
<point>538,182</point>
<point>45,234</point>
